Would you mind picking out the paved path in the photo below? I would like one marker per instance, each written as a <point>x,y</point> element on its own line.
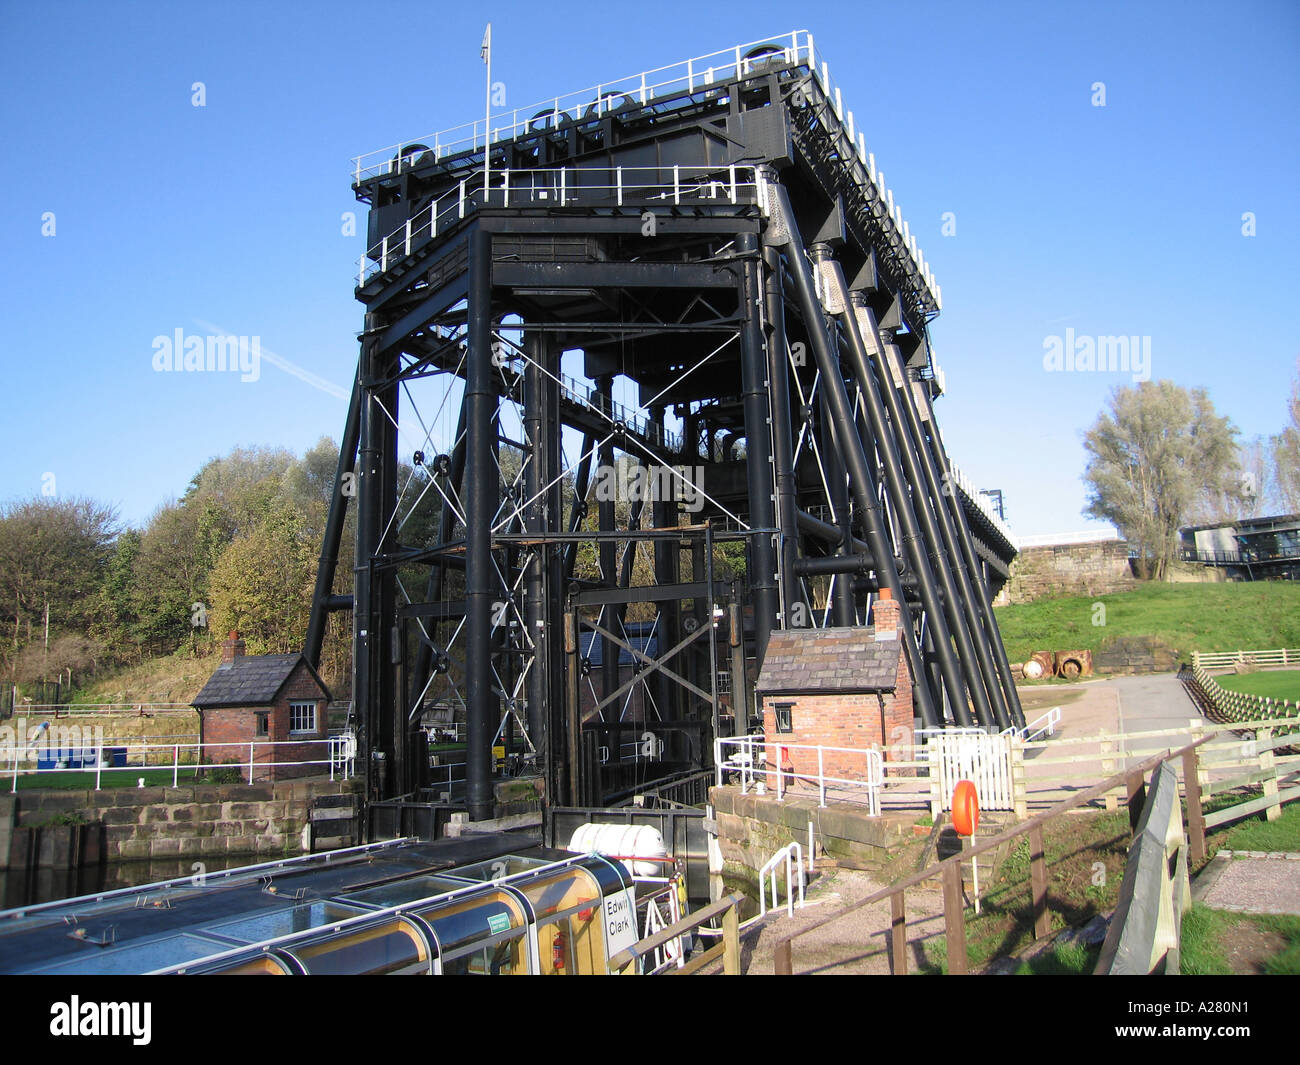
<point>1251,882</point>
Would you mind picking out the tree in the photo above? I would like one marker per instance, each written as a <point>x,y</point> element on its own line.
<point>53,555</point>
<point>1160,458</point>
<point>261,585</point>
<point>1286,454</point>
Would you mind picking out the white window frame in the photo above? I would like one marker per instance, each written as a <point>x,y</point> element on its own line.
<point>298,705</point>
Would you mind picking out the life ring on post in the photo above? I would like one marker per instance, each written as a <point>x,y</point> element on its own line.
<point>965,808</point>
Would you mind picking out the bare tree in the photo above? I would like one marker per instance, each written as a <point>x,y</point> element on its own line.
<point>1160,458</point>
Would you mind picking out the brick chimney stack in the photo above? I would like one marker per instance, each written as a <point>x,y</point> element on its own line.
<point>233,648</point>
<point>884,615</point>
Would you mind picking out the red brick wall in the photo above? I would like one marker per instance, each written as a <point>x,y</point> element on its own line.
<point>239,725</point>
<point>840,719</point>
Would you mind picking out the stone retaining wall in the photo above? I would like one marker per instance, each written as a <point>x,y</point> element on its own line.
<point>1100,567</point>
<point>262,820</point>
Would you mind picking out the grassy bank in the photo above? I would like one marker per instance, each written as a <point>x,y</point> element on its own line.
<point>1186,617</point>
<point>1275,684</point>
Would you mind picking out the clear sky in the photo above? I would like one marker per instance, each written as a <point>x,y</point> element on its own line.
<point>1122,219</point>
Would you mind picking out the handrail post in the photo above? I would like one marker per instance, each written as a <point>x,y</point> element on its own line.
<point>731,941</point>
<point>821,775</point>
<point>1136,786</point>
<point>954,920</point>
<point>176,766</point>
<point>99,765</point>
<point>782,963</point>
<point>250,762</point>
<point>1038,883</point>
<point>898,932</point>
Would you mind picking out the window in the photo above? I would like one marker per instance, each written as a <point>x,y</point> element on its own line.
<point>302,717</point>
<point>782,711</point>
<point>263,723</point>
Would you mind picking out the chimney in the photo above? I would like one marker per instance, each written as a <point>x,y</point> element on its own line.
<point>884,615</point>
<point>233,648</point>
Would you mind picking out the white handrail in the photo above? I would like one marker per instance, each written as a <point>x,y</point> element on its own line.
<point>1032,729</point>
<point>791,856</point>
<point>749,751</point>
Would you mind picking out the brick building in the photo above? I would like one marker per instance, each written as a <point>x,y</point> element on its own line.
<point>847,687</point>
<point>264,700</point>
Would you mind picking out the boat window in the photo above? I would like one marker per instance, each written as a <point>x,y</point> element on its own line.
<point>392,947</point>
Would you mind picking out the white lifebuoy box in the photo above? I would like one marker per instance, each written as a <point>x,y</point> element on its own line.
<point>627,842</point>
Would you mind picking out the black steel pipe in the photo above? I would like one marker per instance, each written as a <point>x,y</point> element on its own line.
<point>973,565</point>
<point>832,565</point>
<point>892,360</point>
<point>921,545</point>
<point>778,379</point>
<point>480,507</point>
<point>861,479</point>
<point>322,598</point>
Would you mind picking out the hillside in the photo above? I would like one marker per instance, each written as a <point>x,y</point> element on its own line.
<point>1186,617</point>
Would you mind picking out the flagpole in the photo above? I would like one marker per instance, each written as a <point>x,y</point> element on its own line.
<point>487,116</point>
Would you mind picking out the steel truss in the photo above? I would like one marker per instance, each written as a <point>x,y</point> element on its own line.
<point>572,557</point>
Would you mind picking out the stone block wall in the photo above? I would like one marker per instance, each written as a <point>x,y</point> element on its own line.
<point>257,821</point>
<point>1100,567</point>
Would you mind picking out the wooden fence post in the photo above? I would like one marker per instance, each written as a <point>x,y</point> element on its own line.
<point>1038,883</point>
<point>1019,788</point>
<point>1268,767</point>
<point>731,942</point>
<point>1195,815</point>
<point>1108,767</point>
<point>898,932</point>
<point>954,920</point>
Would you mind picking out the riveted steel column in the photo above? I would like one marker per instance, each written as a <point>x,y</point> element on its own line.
<point>778,378</point>
<point>758,442</point>
<point>480,508</point>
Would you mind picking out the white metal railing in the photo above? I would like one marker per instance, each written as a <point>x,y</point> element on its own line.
<point>686,76</point>
<point>1044,723</point>
<point>72,709</point>
<point>973,494</point>
<point>1282,656</point>
<point>789,857</point>
<point>561,187</point>
<point>745,754</point>
<point>699,74</point>
<point>339,756</point>
<point>1063,539</point>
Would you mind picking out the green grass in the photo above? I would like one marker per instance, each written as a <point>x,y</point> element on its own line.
<point>1276,684</point>
<point>1207,934</point>
<point>1254,833</point>
<point>1085,865</point>
<point>1065,959</point>
<point>85,781</point>
<point>1186,617</point>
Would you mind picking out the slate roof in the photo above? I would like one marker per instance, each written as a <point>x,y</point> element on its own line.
<point>251,680</point>
<point>829,660</point>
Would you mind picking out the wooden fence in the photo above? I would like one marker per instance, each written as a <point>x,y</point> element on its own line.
<point>1283,656</point>
<point>949,870</point>
<point>1217,700</point>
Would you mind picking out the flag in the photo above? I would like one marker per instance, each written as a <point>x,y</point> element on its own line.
<point>485,50</point>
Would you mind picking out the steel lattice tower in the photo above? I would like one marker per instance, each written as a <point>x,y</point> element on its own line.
<point>715,247</point>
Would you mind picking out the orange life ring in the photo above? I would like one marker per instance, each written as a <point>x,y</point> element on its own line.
<point>965,808</point>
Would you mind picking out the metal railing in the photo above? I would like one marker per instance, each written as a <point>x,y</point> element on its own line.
<point>1044,723</point>
<point>745,755</point>
<point>562,187</point>
<point>789,857</point>
<point>339,757</point>
<point>689,75</point>
<point>77,709</point>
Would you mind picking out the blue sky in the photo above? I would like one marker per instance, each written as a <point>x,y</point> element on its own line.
<point>1123,219</point>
